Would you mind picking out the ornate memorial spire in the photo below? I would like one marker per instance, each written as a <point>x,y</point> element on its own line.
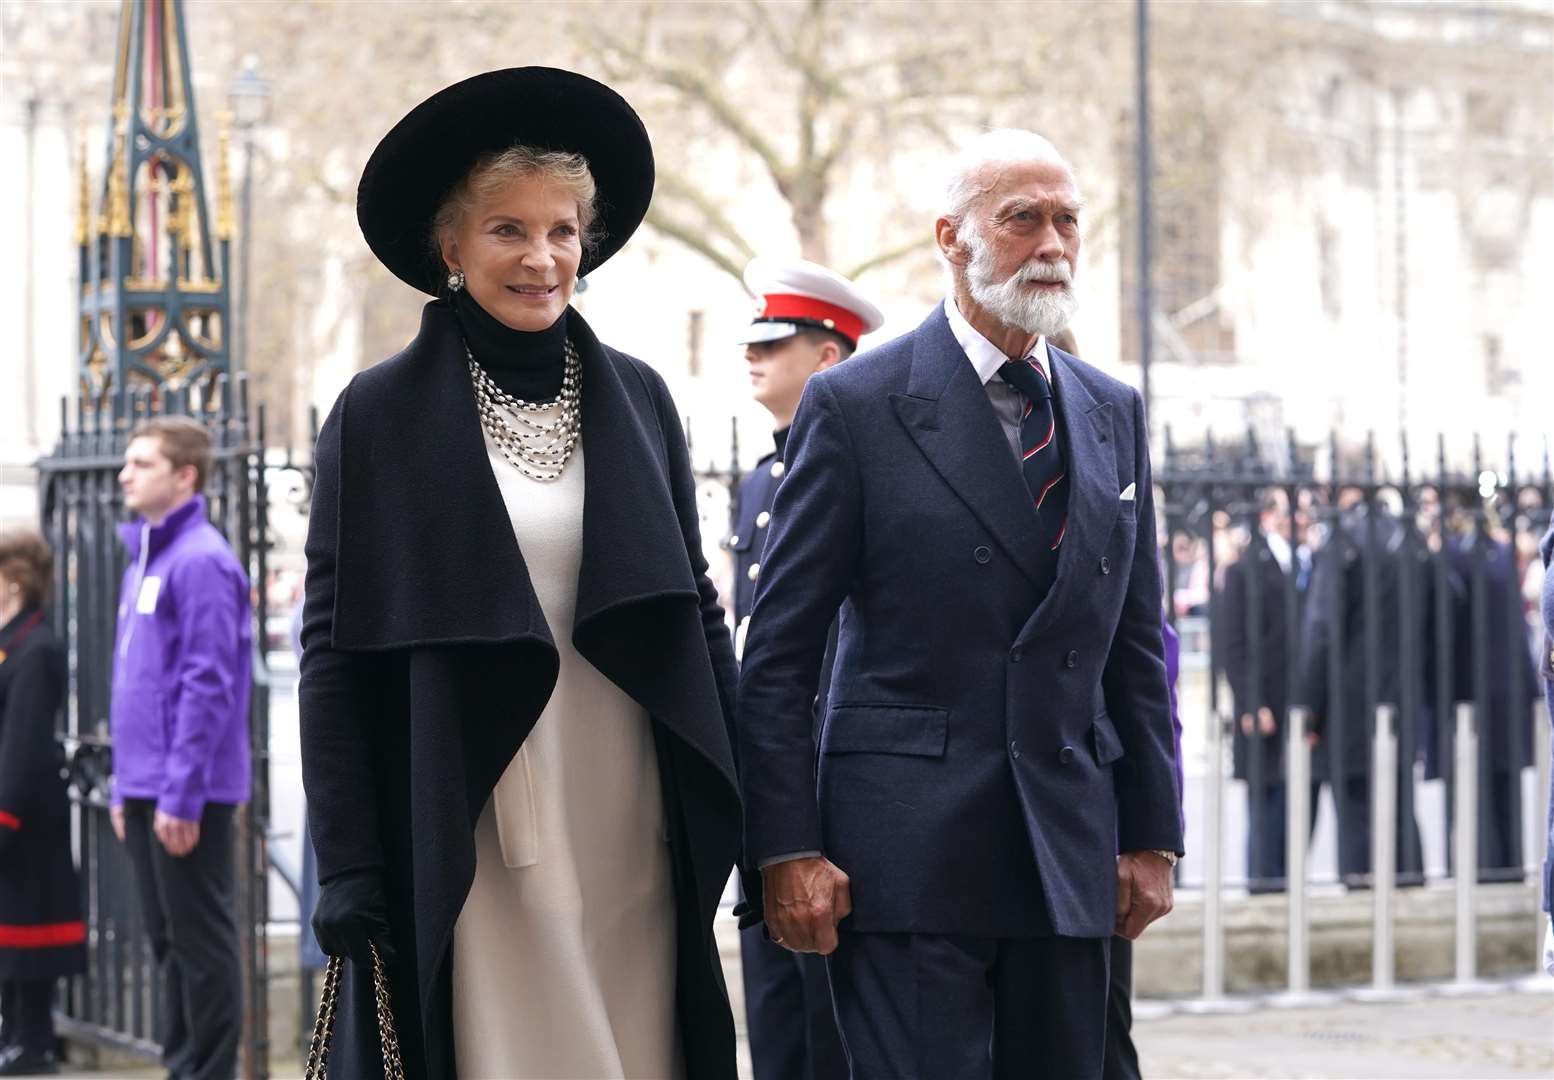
<point>154,267</point>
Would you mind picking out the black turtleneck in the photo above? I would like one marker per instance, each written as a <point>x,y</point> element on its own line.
<point>780,438</point>
<point>528,364</point>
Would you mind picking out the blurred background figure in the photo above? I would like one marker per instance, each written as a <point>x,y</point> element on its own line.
<point>1257,654</point>
<point>1484,583</point>
<point>42,937</point>
<point>1342,724</point>
<point>182,675</point>
<point>1546,668</point>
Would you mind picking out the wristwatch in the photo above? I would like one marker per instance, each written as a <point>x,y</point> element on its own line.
<point>1168,856</point>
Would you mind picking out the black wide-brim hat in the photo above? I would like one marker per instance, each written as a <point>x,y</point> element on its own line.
<point>434,146</point>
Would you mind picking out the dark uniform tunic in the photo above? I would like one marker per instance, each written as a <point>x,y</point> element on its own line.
<point>787,999</point>
<point>751,521</point>
<point>41,932</point>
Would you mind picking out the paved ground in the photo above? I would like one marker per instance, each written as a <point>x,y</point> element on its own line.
<point>1474,1038</point>
<point>1503,1035</point>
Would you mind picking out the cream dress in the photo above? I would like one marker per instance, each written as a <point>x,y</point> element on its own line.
<point>564,953</point>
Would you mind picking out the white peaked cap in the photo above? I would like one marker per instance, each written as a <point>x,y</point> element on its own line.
<point>794,294</point>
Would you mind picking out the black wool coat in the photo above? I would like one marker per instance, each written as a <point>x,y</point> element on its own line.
<point>1253,618</point>
<point>41,932</point>
<point>427,660</point>
<point>1335,627</point>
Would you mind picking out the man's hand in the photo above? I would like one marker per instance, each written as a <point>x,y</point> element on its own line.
<point>178,836</point>
<point>1265,722</point>
<point>804,900</point>
<point>116,819</point>
<point>1143,891</point>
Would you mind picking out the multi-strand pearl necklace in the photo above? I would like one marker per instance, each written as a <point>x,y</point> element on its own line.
<point>537,448</point>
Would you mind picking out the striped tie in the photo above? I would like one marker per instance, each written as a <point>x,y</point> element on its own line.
<point>1046,473</point>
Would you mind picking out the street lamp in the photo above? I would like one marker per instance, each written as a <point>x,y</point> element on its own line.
<point>249,99</point>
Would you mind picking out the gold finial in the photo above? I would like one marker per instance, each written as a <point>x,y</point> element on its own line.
<point>84,207</point>
<point>118,187</point>
<point>224,214</point>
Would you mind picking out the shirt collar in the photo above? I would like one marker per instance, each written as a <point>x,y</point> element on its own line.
<point>986,358</point>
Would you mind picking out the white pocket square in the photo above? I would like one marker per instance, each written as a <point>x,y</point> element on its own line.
<point>1127,493</point>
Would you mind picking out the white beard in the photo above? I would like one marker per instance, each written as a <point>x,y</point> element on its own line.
<point>1041,312</point>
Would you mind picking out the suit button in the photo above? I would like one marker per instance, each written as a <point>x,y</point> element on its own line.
<point>982,555</point>
<point>1016,655</point>
<point>733,541</point>
<point>755,572</point>
<point>762,519</point>
<point>1014,749</point>
<point>777,470</point>
<point>1066,754</point>
<point>1071,660</point>
<point>1106,564</point>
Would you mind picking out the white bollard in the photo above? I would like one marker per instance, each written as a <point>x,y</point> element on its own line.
<point>1213,999</point>
<point>1297,813</point>
<point>1384,823</point>
<point>1465,854</point>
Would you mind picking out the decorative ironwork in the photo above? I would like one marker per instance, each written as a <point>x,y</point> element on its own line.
<point>154,267</point>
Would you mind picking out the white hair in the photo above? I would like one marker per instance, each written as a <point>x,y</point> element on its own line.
<point>965,184</point>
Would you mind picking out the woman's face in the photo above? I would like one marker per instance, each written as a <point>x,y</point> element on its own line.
<point>520,250</point>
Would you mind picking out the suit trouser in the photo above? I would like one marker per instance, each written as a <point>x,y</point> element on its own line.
<point>187,904</point>
<point>27,1015</point>
<point>1265,847</point>
<point>942,1007</point>
<point>1122,1058</point>
<point>788,1012</point>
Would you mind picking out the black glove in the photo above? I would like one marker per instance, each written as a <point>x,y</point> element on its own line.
<point>352,913</point>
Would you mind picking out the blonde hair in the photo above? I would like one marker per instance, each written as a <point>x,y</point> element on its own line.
<point>494,171</point>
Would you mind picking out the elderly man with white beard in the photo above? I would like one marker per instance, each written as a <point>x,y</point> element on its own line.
<point>977,506</point>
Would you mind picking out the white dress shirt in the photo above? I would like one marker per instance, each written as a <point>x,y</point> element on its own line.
<point>986,358</point>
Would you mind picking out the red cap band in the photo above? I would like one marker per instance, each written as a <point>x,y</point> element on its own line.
<point>780,306</point>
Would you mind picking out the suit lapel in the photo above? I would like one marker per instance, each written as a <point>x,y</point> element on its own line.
<point>1093,495</point>
<point>947,414</point>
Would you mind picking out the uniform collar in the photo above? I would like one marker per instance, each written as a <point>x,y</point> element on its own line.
<point>986,358</point>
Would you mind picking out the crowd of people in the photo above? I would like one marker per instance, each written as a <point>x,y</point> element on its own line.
<point>936,741</point>
<point>1308,609</point>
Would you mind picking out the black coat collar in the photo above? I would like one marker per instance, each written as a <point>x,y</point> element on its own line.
<point>427,554</point>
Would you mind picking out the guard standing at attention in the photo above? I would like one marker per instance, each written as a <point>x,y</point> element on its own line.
<point>808,318</point>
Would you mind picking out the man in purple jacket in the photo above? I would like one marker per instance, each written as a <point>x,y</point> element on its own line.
<point>181,680</point>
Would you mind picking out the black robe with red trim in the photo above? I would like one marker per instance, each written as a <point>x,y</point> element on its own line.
<point>42,935</point>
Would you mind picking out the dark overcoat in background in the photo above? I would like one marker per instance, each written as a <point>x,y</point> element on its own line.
<point>41,932</point>
<point>1335,622</point>
<point>1268,685</point>
<point>1505,740</point>
<point>427,660</point>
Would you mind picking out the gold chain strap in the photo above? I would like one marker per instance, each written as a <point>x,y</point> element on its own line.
<point>317,1066</point>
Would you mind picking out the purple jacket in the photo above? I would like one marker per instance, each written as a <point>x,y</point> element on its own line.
<point>182,667</point>
<point>1546,666</point>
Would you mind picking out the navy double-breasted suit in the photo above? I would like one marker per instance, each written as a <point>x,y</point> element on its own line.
<point>987,749</point>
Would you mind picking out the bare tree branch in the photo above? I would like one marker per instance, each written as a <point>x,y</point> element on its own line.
<point>678,188</point>
<point>663,224</point>
<point>699,90</point>
<point>891,255</point>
